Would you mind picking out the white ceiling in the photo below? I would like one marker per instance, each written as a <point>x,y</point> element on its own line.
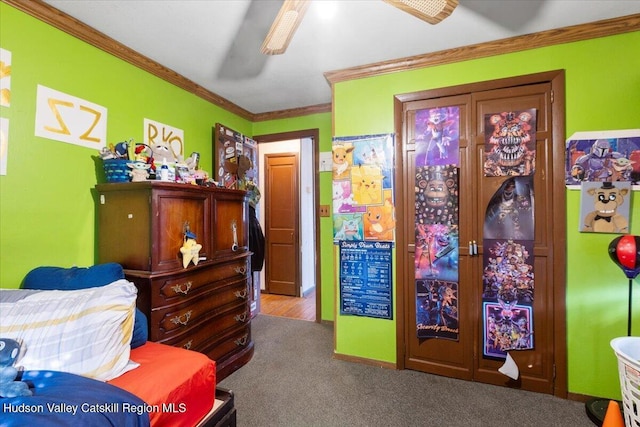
<point>216,43</point>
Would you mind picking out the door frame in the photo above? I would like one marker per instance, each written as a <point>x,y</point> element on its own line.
<point>314,135</point>
<point>557,80</point>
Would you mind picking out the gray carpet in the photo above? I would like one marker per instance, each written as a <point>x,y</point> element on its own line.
<point>293,381</point>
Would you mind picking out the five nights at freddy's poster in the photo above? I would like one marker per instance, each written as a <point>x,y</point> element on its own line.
<point>510,143</point>
<point>508,233</point>
<point>436,222</point>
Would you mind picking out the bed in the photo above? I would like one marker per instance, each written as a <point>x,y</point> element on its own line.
<point>88,361</point>
<point>188,384</point>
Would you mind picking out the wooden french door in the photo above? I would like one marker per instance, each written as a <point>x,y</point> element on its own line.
<point>463,357</point>
<point>452,358</point>
<point>282,253</point>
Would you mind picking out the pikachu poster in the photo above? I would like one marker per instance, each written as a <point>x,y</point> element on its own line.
<point>362,171</point>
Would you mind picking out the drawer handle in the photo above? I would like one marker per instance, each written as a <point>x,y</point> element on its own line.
<point>183,288</point>
<point>241,295</point>
<point>241,317</point>
<point>241,270</point>
<point>242,341</point>
<point>188,345</point>
<point>178,319</point>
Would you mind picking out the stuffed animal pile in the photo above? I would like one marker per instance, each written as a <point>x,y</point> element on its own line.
<point>10,386</point>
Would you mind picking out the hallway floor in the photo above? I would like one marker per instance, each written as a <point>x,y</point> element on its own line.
<point>291,307</point>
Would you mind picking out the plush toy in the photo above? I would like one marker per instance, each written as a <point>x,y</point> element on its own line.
<point>9,355</point>
<point>139,171</point>
<point>192,162</point>
<point>163,152</point>
<point>190,249</point>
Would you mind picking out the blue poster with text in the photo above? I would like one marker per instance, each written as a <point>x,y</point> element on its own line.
<point>365,279</point>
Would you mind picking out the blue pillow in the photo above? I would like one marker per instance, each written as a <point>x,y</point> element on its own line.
<point>69,279</point>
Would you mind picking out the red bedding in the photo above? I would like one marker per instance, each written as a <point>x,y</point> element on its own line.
<point>179,385</point>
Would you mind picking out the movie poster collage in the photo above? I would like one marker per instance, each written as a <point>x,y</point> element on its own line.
<point>507,294</point>
<point>508,233</point>
<point>436,216</point>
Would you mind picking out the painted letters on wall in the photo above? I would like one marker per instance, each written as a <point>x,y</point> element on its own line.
<point>66,118</point>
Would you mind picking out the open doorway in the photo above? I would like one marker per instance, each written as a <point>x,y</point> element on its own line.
<point>301,232</point>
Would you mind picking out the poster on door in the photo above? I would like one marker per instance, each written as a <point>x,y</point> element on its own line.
<point>437,136</point>
<point>228,155</point>
<point>510,143</point>
<point>436,251</point>
<point>365,279</point>
<point>437,142</point>
<point>508,273</point>
<point>509,213</point>
<point>507,297</point>
<point>363,201</point>
<point>437,309</point>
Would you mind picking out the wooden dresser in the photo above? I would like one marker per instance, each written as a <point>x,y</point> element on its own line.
<point>204,307</point>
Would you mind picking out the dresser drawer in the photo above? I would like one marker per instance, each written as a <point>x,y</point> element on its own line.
<point>229,344</point>
<point>180,318</point>
<point>199,338</point>
<point>173,289</point>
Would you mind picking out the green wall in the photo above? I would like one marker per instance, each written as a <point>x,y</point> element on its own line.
<point>46,206</point>
<point>602,93</point>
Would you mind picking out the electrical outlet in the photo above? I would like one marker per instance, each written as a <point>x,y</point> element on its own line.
<point>324,210</point>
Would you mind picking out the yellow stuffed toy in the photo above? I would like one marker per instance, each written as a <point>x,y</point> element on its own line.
<point>190,249</point>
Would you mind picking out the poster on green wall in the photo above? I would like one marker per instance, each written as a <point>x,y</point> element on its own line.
<point>603,156</point>
<point>71,119</point>
<point>365,279</point>
<point>4,144</point>
<point>364,222</point>
<point>363,196</point>
<point>5,78</point>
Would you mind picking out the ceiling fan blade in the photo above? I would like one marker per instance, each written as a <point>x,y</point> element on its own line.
<point>284,26</point>
<point>431,11</point>
<point>242,60</point>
